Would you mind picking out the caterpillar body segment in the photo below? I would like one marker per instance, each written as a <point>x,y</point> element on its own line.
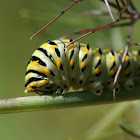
<point>128,70</point>
<point>72,53</point>
<point>95,82</point>
<point>53,68</point>
<point>84,65</point>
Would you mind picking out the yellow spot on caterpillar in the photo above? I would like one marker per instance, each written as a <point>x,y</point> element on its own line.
<point>47,71</point>
<point>58,63</point>
<point>71,46</point>
<point>86,51</point>
<point>127,58</point>
<point>53,47</point>
<point>34,84</point>
<point>121,51</point>
<point>138,57</point>
<point>26,91</point>
<point>71,62</point>
<point>36,62</point>
<point>113,58</point>
<point>97,70</point>
<point>71,49</point>
<point>112,72</point>
<point>97,49</point>
<point>43,82</point>
<point>99,56</point>
<point>45,44</point>
<point>127,71</point>
<point>108,50</point>
<point>83,64</point>
<point>30,89</point>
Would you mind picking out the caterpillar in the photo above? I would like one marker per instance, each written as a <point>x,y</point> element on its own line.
<point>54,68</point>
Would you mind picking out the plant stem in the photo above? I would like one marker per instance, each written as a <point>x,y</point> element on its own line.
<point>73,99</point>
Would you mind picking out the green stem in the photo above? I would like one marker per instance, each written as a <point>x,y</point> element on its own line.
<point>73,99</point>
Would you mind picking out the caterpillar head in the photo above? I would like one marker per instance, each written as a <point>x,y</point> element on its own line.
<point>39,84</point>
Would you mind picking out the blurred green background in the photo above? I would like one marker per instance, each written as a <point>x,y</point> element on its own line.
<point>19,20</point>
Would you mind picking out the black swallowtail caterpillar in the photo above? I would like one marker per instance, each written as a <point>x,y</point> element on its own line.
<point>53,68</point>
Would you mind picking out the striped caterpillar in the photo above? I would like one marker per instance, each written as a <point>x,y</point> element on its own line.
<point>53,68</point>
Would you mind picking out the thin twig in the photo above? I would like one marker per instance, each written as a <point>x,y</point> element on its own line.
<point>122,1</point>
<point>119,7</point>
<point>121,25</point>
<point>109,10</point>
<point>58,16</point>
<point>132,15</point>
<point>124,9</point>
<point>105,26</point>
<point>114,5</point>
<point>95,30</point>
<point>123,59</point>
<point>134,44</point>
<point>89,30</point>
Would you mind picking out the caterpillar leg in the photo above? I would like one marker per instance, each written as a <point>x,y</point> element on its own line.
<point>110,86</point>
<point>129,84</point>
<point>65,90</point>
<point>96,87</point>
<point>57,90</point>
<point>61,91</point>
